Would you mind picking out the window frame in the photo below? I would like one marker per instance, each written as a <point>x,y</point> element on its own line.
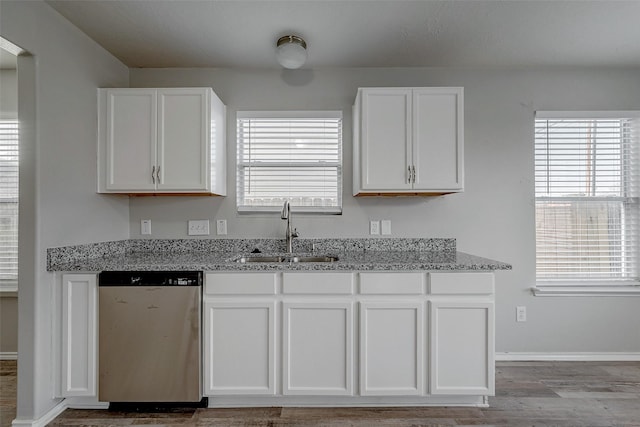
<point>596,287</point>
<point>284,115</point>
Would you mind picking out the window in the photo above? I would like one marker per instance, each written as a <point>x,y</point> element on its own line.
<point>295,156</point>
<point>8,204</point>
<point>586,187</point>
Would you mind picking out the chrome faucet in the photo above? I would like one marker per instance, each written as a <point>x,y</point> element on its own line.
<point>289,235</point>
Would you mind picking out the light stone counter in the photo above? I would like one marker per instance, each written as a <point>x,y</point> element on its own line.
<point>392,254</point>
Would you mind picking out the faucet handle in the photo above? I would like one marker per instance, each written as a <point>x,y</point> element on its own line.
<point>295,233</point>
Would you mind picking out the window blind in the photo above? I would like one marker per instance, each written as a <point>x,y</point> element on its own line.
<point>586,186</point>
<point>295,156</point>
<point>8,200</point>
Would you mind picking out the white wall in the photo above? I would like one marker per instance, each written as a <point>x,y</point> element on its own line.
<point>8,95</point>
<point>494,217</point>
<point>8,325</point>
<point>58,202</point>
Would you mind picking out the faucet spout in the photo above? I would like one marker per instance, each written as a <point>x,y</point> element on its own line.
<point>289,234</point>
<point>286,210</point>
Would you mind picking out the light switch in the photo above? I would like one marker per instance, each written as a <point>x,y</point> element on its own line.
<point>386,226</point>
<point>221,227</point>
<point>145,226</point>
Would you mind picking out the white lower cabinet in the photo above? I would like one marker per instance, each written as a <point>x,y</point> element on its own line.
<point>317,348</point>
<point>239,354</point>
<point>280,338</point>
<point>79,309</point>
<point>239,333</point>
<point>462,321</point>
<point>414,337</point>
<point>392,348</point>
<point>462,347</point>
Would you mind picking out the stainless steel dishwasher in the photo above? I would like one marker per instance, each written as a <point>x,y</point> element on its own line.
<point>150,337</point>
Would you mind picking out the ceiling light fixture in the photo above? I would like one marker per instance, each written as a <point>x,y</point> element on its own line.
<point>291,52</point>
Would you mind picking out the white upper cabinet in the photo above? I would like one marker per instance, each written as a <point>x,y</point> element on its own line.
<point>408,141</point>
<point>437,139</point>
<point>169,140</point>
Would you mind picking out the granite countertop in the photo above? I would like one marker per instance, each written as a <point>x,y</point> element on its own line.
<point>223,255</point>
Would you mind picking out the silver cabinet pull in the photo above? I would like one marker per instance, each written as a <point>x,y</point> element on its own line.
<point>158,174</point>
<point>409,174</point>
<point>413,174</point>
<point>153,174</point>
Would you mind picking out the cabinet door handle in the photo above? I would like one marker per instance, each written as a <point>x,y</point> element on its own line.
<point>413,174</point>
<point>153,174</point>
<point>409,174</point>
<point>158,174</point>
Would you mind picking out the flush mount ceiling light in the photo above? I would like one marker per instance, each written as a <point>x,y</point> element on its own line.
<point>291,52</point>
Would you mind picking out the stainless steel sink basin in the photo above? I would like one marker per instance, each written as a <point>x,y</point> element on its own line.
<point>261,259</point>
<point>314,259</point>
<point>280,259</point>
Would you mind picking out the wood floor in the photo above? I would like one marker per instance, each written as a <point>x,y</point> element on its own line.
<point>8,390</point>
<point>527,394</point>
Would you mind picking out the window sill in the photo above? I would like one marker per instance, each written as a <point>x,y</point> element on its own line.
<point>8,288</point>
<point>575,290</point>
<point>296,210</point>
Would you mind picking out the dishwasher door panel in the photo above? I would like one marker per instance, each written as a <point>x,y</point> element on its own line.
<point>149,344</point>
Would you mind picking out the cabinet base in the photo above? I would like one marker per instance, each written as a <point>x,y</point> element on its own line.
<point>345,401</point>
<point>404,194</point>
<point>156,406</point>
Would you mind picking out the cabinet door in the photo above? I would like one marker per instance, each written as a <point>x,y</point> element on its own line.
<point>131,129</point>
<point>462,347</point>
<point>79,332</point>
<point>239,353</point>
<point>318,348</point>
<point>183,134</point>
<point>391,348</point>
<point>437,141</point>
<point>385,139</point>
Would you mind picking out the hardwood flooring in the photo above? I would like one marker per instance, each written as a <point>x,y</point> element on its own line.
<point>8,390</point>
<point>589,394</point>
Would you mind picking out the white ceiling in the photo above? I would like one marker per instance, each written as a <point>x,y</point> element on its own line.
<point>363,33</point>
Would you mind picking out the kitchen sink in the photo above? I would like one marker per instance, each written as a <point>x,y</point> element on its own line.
<point>314,259</point>
<point>280,259</point>
<point>261,259</point>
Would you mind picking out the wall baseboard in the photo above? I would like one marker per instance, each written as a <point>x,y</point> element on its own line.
<point>568,357</point>
<point>43,420</point>
<point>8,355</point>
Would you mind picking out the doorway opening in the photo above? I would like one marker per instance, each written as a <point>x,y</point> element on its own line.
<point>9,172</point>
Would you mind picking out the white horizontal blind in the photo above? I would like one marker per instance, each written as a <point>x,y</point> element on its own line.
<point>8,200</point>
<point>295,156</point>
<point>586,185</point>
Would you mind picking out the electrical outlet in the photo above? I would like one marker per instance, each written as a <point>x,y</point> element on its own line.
<point>374,227</point>
<point>145,226</point>
<point>221,227</point>
<point>521,313</point>
<point>199,227</point>
<point>386,226</point>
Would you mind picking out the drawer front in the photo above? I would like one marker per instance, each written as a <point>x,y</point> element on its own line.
<point>392,283</point>
<point>240,283</point>
<point>461,283</point>
<point>317,283</point>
